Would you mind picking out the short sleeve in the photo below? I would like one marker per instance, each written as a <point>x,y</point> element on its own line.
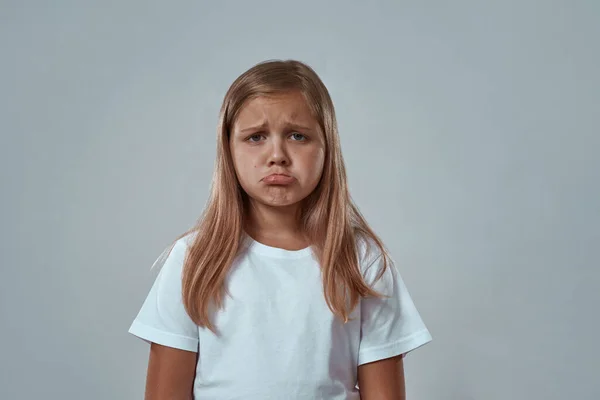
<point>162,318</point>
<point>390,326</point>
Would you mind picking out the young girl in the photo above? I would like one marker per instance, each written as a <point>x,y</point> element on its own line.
<point>282,290</point>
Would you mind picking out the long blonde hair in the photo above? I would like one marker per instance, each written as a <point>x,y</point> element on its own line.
<point>330,219</point>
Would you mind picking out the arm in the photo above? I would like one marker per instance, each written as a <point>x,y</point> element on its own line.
<point>170,373</point>
<point>382,380</point>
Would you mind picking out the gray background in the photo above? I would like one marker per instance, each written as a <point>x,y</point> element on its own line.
<point>470,130</point>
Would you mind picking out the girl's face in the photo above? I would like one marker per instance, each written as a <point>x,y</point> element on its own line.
<point>277,148</point>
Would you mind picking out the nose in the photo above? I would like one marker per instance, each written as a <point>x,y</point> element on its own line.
<point>278,153</point>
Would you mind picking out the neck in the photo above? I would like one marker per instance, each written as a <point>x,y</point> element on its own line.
<point>276,226</point>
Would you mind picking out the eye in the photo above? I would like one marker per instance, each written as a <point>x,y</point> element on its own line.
<point>298,137</point>
<point>254,138</point>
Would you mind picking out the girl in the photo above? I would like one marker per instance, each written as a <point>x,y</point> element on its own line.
<point>282,290</point>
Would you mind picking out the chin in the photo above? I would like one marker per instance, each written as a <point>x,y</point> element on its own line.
<point>277,202</point>
<point>281,199</point>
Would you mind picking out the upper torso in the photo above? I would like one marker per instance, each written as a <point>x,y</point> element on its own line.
<point>277,336</point>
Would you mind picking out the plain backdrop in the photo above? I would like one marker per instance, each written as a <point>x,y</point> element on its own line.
<point>470,130</point>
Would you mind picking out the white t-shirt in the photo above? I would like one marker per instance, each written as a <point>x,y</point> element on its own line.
<point>278,338</point>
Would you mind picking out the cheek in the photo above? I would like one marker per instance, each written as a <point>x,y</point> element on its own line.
<point>319,159</point>
<point>314,162</point>
<point>246,167</point>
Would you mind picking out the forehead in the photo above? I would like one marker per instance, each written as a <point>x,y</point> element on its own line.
<point>276,108</point>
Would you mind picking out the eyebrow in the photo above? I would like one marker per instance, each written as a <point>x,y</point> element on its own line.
<point>264,125</point>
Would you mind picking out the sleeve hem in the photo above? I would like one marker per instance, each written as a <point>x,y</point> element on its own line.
<point>153,335</point>
<point>401,347</point>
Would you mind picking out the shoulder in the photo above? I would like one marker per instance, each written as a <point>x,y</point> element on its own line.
<point>374,260</point>
<point>184,243</point>
<point>174,255</point>
<point>367,248</point>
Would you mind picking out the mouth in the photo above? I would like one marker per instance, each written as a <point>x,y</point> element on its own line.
<point>278,179</point>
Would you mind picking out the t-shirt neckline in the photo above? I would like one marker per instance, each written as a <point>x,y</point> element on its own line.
<point>277,252</point>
